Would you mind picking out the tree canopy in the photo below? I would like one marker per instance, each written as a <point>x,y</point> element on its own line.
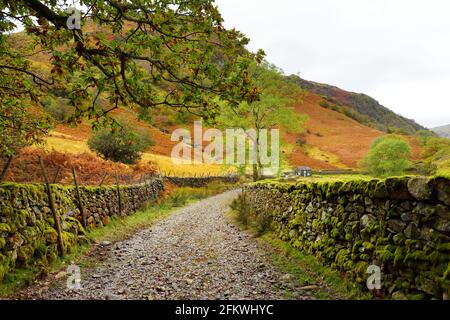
<point>146,54</point>
<point>388,156</point>
<point>273,109</point>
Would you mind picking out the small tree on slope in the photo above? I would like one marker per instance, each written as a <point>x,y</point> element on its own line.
<point>388,156</point>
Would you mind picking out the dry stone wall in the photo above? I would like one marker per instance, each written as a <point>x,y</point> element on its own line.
<point>401,225</point>
<point>28,237</point>
<point>198,182</point>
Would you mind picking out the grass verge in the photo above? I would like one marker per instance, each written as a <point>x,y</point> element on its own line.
<point>118,229</point>
<point>317,280</point>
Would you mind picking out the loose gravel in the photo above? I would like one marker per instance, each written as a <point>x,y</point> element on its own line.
<point>196,253</point>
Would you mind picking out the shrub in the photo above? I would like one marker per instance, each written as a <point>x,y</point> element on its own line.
<point>263,223</point>
<point>424,136</point>
<point>324,104</point>
<point>436,155</point>
<point>58,108</point>
<point>179,199</point>
<point>120,144</point>
<point>388,156</point>
<point>301,141</point>
<point>242,209</point>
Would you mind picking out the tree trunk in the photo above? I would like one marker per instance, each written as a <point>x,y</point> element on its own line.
<point>6,168</point>
<point>255,172</point>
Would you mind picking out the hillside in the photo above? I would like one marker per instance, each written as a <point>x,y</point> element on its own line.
<point>382,118</point>
<point>443,131</point>
<point>331,139</point>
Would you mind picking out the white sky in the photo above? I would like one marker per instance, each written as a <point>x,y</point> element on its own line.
<point>397,51</point>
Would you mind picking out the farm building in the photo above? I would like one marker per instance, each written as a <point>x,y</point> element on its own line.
<point>303,171</point>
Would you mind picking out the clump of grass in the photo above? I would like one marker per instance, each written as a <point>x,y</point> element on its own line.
<point>308,270</point>
<point>263,224</point>
<point>242,209</point>
<point>260,222</point>
<point>179,199</point>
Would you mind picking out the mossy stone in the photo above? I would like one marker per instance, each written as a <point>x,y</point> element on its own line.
<point>420,188</point>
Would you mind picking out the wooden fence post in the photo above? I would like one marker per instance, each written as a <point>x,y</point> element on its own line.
<point>131,186</point>
<point>118,194</point>
<point>151,187</point>
<point>80,203</point>
<point>103,180</point>
<point>52,208</point>
<point>58,171</point>
<point>6,168</point>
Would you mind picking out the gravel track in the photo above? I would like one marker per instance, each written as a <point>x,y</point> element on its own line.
<point>196,253</point>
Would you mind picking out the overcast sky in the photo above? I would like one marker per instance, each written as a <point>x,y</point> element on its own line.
<point>397,51</point>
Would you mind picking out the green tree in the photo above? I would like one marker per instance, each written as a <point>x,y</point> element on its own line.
<point>274,108</point>
<point>388,156</point>
<point>424,136</point>
<point>436,156</point>
<point>145,53</point>
<point>120,144</point>
<point>19,126</point>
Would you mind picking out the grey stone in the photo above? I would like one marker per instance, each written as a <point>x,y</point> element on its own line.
<point>443,191</point>
<point>442,225</point>
<point>411,231</point>
<point>368,220</point>
<point>398,295</point>
<point>368,201</point>
<point>396,225</point>
<point>427,234</point>
<point>409,216</point>
<point>426,285</point>
<point>425,209</point>
<point>443,211</point>
<point>420,188</point>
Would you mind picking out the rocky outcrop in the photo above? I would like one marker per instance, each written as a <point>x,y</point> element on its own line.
<point>27,229</point>
<point>383,118</point>
<point>401,225</point>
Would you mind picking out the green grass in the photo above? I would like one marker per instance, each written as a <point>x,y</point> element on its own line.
<point>306,269</point>
<point>118,229</point>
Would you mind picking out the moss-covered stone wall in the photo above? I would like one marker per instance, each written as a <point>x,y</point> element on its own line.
<point>401,225</point>
<point>28,237</point>
<point>198,182</point>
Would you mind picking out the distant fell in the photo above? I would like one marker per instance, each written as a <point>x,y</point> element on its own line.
<point>383,118</point>
<point>443,131</point>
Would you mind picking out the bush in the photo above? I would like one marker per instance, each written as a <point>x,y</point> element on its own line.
<point>436,155</point>
<point>179,199</point>
<point>242,209</point>
<point>388,156</point>
<point>324,104</point>
<point>301,141</point>
<point>58,108</point>
<point>120,144</point>
<point>263,223</point>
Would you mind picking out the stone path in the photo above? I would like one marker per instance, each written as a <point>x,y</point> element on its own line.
<point>196,253</point>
